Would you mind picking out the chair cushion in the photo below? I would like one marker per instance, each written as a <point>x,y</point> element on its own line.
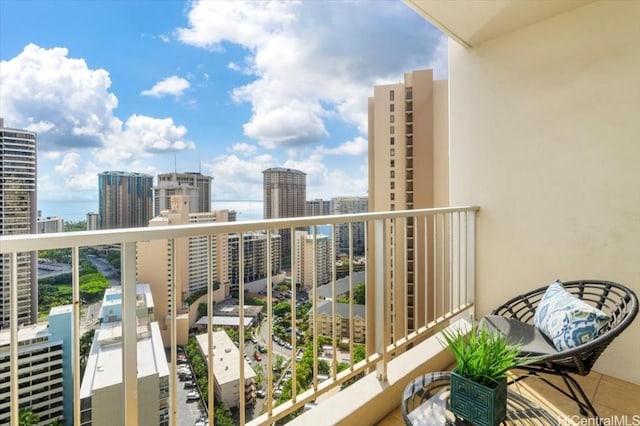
<point>566,320</point>
<point>531,340</point>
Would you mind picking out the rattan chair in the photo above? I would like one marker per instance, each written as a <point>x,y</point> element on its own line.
<point>614,299</point>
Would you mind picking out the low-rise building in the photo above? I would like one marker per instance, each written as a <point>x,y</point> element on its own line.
<point>342,319</point>
<point>226,370</point>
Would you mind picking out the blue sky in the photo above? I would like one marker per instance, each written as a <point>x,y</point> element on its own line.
<point>226,87</point>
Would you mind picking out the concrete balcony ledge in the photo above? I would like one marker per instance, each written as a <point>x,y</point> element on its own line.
<point>369,400</point>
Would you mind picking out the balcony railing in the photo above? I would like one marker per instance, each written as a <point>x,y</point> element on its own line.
<point>419,273</point>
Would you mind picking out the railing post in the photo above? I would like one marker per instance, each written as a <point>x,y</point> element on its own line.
<point>471,259</point>
<point>75,285</point>
<point>129,337</point>
<point>13,326</point>
<point>381,314</point>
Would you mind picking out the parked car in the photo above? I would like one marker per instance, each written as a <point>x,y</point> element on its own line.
<point>185,377</point>
<point>262,349</point>
<point>193,395</point>
<point>254,340</point>
<point>257,356</point>
<point>261,394</point>
<point>189,384</point>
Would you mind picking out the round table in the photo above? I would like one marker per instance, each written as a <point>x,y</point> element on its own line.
<point>426,399</point>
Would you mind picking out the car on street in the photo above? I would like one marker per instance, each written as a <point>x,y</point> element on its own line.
<point>193,396</point>
<point>189,384</point>
<point>254,340</point>
<point>257,356</point>
<point>261,394</point>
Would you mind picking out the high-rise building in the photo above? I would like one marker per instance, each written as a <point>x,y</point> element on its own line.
<point>45,365</point>
<point>195,185</point>
<point>350,205</point>
<point>183,262</point>
<point>256,260</point>
<point>47,225</point>
<point>408,169</point>
<point>124,199</point>
<point>93,221</point>
<point>18,215</point>
<point>101,392</point>
<point>318,207</point>
<point>285,194</point>
<point>309,260</point>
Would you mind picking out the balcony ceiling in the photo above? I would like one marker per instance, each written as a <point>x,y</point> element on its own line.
<point>472,22</point>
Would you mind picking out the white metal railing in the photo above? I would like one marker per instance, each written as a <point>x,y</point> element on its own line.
<point>420,271</point>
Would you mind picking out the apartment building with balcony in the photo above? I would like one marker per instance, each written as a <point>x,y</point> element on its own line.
<point>350,205</point>
<point>45,378</point>
<point>18,215</point>
<point>124,199</point>
<point>255,259</point>
<point>50,224</point>
<point>185,263</point>
<point>93,221</point>
<point>317,207</point>
<point>313,257</point>
<point>226,370</point>
<point>102,389</point>
<point>542,125</point>
<point>284,195</point>
<point>349,320</point>
<point>195,185</point>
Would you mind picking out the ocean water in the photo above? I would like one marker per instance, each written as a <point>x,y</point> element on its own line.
<point>74,211</point>
<point>77,210</point>
<point>70,211</point>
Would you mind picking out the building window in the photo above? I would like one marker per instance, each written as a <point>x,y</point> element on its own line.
<point>393,207</point>
<point>392,107</point>
<point>393,185</point>
<point>393,174</point>
<point>393,196</point>
<point>392,118</point>
<point>392,141</point>
<point>392,152</point>
<point>392,163</point>
<point>392,130</point>
<point>391,95</point>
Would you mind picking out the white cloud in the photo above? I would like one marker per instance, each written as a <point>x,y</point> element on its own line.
<point>67,103</point>
<point>173,86</point>
<point>72,109</point>
<point>235,177</point>
<point>357,146</point>
<point>244,148</point>
<point>142,137</point>
<point>312,60</point>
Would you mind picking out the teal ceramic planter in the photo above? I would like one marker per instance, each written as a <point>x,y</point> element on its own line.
<point>476,403</point>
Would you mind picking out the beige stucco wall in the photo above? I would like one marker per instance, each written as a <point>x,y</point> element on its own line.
<point>545,128</point>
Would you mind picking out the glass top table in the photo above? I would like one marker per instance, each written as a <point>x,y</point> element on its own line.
<point>426,400</point>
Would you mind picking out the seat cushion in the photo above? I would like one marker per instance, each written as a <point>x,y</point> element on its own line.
<point>566,320</point>
<point>531,340</point>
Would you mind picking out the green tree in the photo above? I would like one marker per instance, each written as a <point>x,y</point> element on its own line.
<point>85,347</point>
<point>359,294</point>
<point>282,309</point>
<point>71,226</point>
<point>28,418</point>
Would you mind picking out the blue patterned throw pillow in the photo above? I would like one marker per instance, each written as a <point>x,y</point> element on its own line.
<point>567,320</point>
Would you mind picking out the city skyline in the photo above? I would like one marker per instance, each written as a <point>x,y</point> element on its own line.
<point>213,87</point>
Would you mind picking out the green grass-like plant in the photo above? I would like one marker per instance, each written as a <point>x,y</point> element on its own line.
<point>484,356</point>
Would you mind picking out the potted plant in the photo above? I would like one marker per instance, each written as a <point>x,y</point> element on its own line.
<point>479,380</point>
